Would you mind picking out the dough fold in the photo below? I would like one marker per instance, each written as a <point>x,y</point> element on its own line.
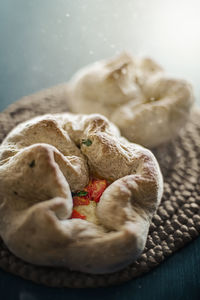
<point>148,106</point>
<point>44,160</point>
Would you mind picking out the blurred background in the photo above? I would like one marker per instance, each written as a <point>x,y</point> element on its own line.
<point>42,43</point>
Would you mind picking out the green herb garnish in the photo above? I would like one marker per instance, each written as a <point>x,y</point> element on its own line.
<point>82,193</point>
<point>87,142</point>
<point>79,194</point>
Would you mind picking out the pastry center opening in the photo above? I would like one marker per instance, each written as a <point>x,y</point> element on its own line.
<point>151,99</point>
<point>86,200</point>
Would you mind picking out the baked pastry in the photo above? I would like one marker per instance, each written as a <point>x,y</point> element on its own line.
<point>148,106</point>
<point>74,193</point>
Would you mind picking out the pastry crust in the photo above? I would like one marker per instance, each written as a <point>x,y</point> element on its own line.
<point>43,160</point>
<point>148,106</point>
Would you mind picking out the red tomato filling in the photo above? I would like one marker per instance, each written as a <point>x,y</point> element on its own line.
<point>95,189</point>
<point>80,201</point>
<point>92,192</point>
<point>77,215</point>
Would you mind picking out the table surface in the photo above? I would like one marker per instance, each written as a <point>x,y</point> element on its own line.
<point>42,43</point>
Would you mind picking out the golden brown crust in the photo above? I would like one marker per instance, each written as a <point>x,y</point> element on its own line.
<point>43,160</point>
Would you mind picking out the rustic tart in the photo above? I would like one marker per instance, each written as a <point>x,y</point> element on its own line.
<point>74,193</point>
<point>147,105</point>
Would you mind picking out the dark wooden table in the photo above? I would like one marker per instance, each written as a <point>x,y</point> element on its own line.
<point>42,43</point>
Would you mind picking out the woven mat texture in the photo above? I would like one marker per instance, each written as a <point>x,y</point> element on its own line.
<point>176,222</point>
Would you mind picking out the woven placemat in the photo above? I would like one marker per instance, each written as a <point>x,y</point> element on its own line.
<point>176,223</point>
